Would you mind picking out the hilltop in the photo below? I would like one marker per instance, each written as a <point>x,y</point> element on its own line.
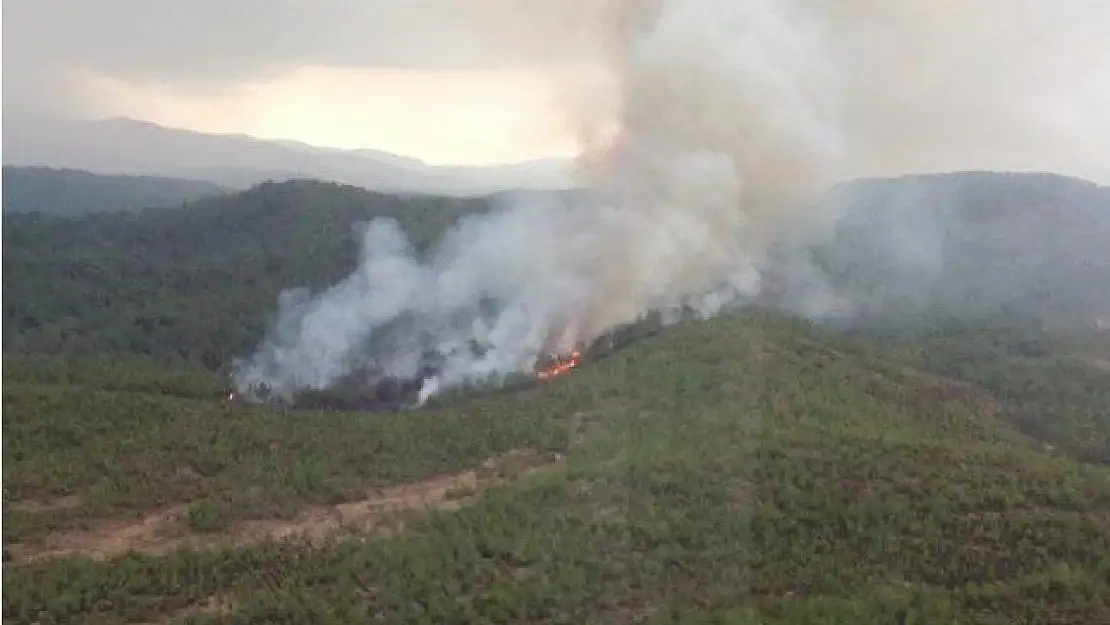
<point>753,468</point>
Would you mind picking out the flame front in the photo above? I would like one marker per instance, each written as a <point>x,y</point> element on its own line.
<point>561,365</point>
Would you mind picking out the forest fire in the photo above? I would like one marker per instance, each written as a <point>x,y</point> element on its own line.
<point>561,365</point>
<point>373,394</point>
<point>369,392</point>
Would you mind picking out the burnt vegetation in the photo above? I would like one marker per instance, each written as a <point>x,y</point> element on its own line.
<point>754,468</point>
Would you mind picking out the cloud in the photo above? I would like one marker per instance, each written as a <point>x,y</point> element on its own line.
<point>976,84</point>
<point>213,41</point>
<point>1017,72</point>
<point>53,48</point>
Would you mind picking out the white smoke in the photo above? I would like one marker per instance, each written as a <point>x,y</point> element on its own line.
<point>733,117</point>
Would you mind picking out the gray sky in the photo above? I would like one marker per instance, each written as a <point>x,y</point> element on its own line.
<point>208,43</point>
<point>436,79</point>
<point>204,40</point>
<point>452,80</point>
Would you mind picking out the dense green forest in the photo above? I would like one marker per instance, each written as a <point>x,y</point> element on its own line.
<point>71,192</point>
<point>196,284</point>
<point>754,468</point>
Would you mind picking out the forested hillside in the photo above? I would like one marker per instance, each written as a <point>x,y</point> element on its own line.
<point>972,244</point>
<point>71,192</point>
<point>197,284</point>
<point>201,283</point>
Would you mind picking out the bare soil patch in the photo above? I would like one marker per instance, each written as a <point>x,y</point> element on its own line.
<point>161,531</point>
<point>217,604</point>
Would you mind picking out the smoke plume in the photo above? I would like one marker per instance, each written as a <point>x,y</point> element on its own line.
<point>706,158</point>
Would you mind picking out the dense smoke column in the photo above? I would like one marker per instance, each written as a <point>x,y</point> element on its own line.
<point>706,151</point>
<point>718,141</point>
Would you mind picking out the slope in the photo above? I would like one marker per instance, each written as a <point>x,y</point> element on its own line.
<point>749,469</point>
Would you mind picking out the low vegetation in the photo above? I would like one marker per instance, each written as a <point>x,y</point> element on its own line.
<point>744,470</point>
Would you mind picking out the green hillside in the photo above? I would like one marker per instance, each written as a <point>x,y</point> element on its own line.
<point>754,468</point>
<point>201,284</point>
<point>744,470</point>
<point>72,192</point>
<point>196,284</point>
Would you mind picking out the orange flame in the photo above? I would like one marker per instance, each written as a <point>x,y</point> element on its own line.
<point>561,365</point>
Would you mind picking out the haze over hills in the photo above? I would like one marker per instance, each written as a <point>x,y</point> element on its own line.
<point>132,147</point>
<point>970,244</point>
<point>75,192</point>
<point>967,245</point>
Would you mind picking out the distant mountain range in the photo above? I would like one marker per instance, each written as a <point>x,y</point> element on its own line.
<point>71,192</point>
<point>131,147</point>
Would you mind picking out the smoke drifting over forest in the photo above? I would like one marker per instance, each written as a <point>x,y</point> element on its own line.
<point>712,150</point>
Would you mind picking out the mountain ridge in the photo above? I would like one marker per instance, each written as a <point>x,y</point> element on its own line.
<point>267,228</point>
<point>134,147</point>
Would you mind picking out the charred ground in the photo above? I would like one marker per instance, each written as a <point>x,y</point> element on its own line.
<point>754,468</point>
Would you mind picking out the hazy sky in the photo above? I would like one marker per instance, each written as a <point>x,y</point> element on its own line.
<point>443,80</point>
<point>477,81</point>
